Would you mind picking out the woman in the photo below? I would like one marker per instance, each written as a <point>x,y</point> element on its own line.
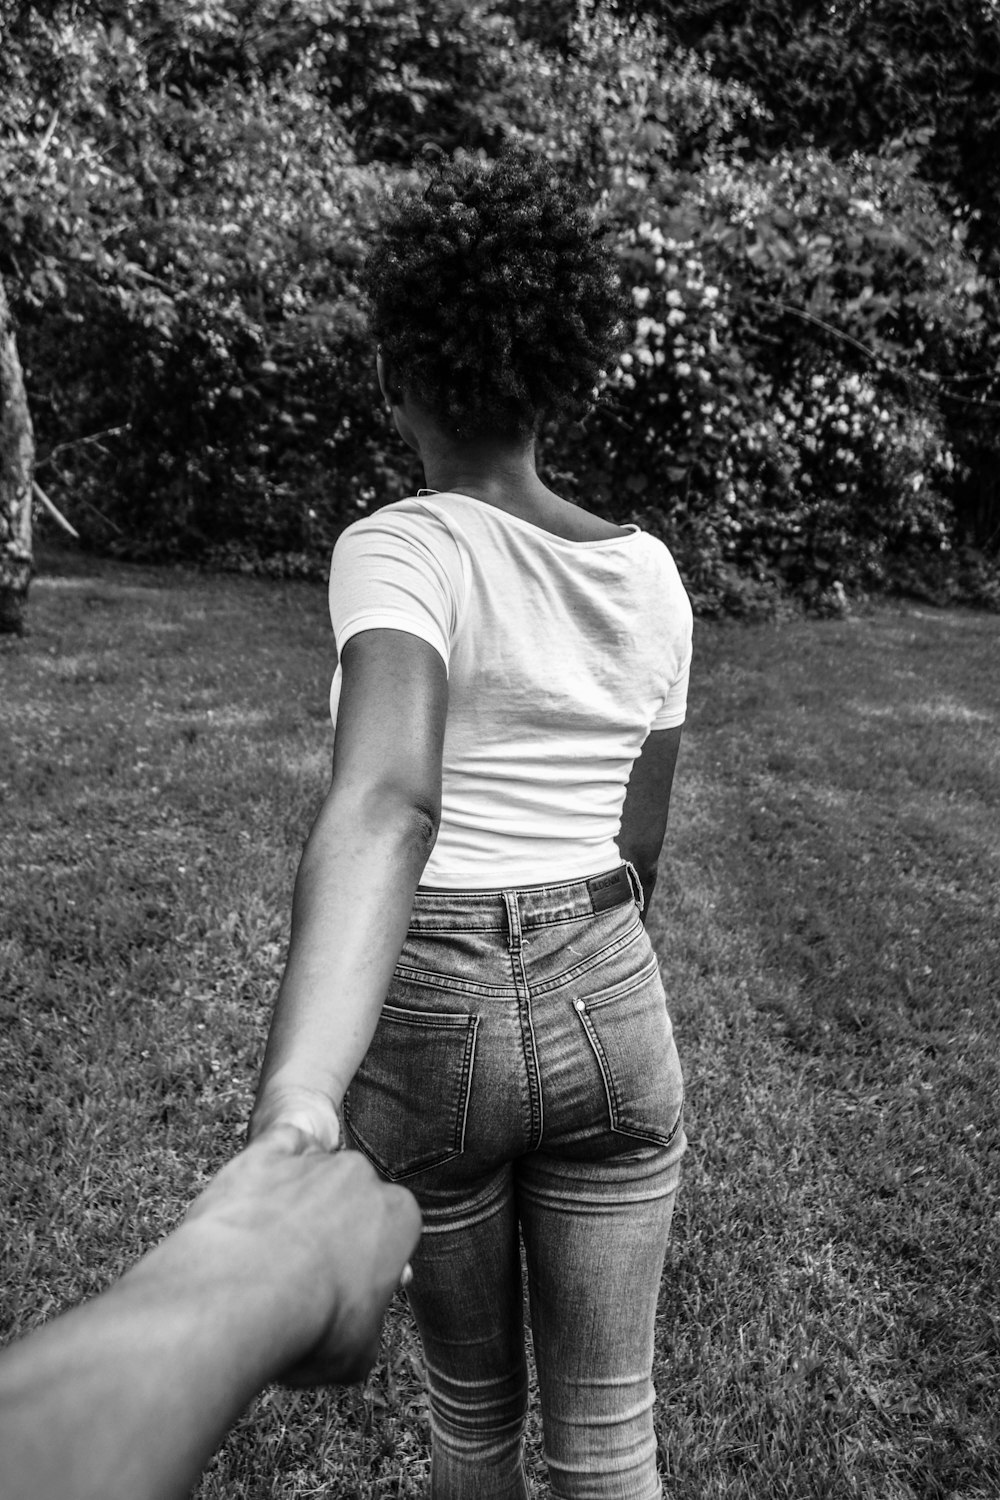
<point>469,973</point>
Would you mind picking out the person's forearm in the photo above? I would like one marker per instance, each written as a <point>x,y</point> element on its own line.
<point>353,897</point>
<point>126,1397</point>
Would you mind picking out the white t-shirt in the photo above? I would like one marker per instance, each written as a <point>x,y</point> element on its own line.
<point>561,657</point>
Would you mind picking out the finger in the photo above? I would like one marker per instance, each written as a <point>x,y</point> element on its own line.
<point>387,1215</point>
<point>286,1138</point>
<point>404,1225</point>
<point>406,1212</point>
<point>332,1367</point>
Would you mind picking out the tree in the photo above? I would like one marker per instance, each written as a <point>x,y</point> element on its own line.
<point>187,193</point>
<point>850,75</point>
<point>17,457</point>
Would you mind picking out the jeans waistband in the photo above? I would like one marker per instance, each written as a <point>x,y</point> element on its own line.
<point>537,905</point>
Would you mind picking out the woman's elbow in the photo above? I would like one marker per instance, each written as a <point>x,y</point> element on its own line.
<point>403,814</point>
<point>426,821</point>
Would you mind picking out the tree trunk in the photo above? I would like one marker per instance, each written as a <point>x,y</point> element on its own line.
<point>17,461</point>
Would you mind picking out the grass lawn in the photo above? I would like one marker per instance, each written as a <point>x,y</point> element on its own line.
<point>828,919</point>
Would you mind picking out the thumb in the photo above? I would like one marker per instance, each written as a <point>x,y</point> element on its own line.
<point>287,1137</point>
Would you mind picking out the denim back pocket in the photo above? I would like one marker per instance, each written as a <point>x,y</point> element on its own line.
<point>407,1105</point>
<point>631,1037</point>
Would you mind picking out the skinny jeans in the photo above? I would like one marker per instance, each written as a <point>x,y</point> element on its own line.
<point>524,1083</point>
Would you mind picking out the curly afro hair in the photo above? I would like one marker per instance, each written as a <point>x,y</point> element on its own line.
<point>496,303</point>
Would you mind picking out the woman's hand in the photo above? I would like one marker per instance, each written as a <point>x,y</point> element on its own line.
<point>309,1110</point>
<point>321,1239</point>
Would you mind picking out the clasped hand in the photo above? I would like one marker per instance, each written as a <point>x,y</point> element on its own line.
<point>317,1232</point>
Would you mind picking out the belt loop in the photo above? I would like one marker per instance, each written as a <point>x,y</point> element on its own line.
<point>636,884</point>
<point>513,921</point>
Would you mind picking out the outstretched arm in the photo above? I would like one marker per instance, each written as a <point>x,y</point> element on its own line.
<point>647,805</point>
<point>282,1268</point>
<point>359,871</point>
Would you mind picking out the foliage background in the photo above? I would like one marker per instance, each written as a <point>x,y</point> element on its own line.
<point>805,201</point>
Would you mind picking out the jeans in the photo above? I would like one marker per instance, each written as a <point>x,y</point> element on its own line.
<point>524,1083</point>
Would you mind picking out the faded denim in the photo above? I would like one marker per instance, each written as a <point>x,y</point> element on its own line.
<point>524,1083</point>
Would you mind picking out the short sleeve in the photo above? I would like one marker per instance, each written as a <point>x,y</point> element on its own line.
<point>673,710</point>
<point>398,570</point>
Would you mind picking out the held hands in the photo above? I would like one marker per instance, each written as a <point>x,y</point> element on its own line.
<point>309,1110</point>
<point>326,1241</point>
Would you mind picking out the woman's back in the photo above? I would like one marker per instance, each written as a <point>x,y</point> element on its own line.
<point>562,655</point>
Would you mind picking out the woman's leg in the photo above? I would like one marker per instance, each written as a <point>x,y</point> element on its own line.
<point>595,1237</point>
<point>467,1301</point>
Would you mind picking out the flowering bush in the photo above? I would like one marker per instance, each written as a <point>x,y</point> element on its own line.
<point>776,415</point>
<point>184,234</point>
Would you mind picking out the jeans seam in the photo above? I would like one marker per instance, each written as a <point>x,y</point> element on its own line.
<point>595,961</point>
<point>529,1044</point>
<point>625,987</point>
<point>470,1058</point>
<point>432,980</point>
<point>611,1091</point>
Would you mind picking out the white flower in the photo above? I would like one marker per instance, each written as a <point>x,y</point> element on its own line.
<point>676,315</point>
<point>674,298</point>
<point>640,295</point>
<point>683,369</point>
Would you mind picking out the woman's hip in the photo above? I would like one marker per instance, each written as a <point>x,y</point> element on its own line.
<point>504,1035</point>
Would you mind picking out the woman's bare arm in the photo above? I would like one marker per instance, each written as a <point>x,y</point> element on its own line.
<point>357,877</point>
<point>647,804</point>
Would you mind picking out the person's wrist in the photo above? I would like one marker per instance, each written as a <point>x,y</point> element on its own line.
<point>312,1110</point>
<point>232,1292</point>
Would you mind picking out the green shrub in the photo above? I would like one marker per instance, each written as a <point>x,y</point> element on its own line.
<point>779,406</point>
<point>186,198</point>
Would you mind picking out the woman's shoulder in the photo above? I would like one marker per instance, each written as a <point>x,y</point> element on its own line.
<point>408,519</point>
